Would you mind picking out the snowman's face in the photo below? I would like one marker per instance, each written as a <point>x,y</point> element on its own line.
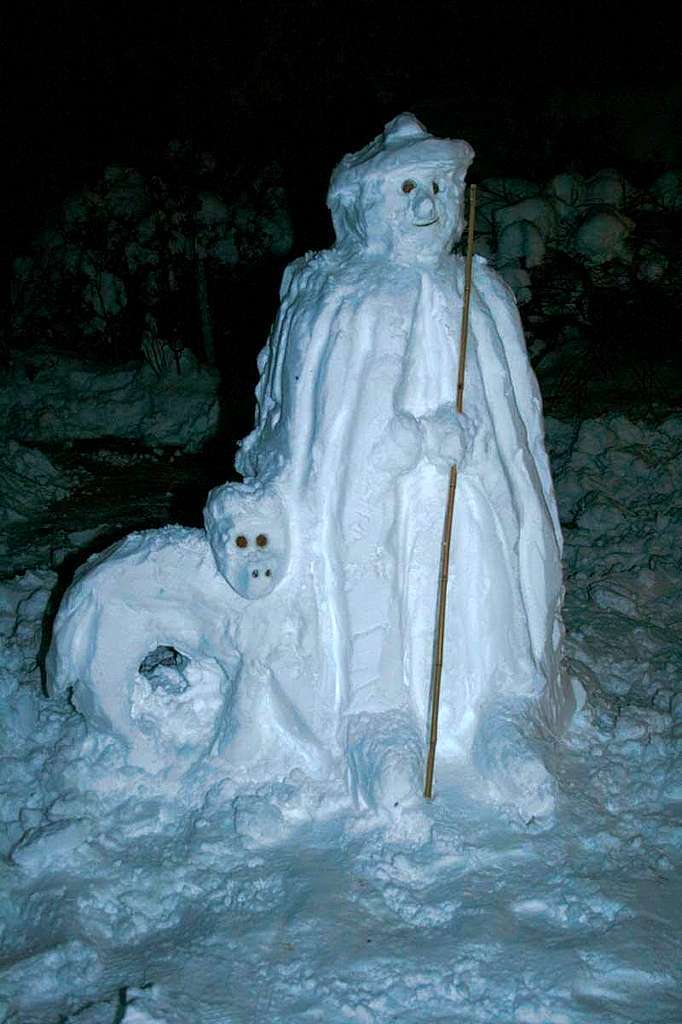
<point>414,214</point>
<point>250,544</point>
<point>254,556</point>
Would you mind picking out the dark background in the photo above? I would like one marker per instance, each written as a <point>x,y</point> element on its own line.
<point>536,88</point>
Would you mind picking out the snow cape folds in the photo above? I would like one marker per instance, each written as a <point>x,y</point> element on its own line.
<point>324,575</point>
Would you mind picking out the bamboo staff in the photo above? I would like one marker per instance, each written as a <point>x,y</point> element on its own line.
<point>449,513</point>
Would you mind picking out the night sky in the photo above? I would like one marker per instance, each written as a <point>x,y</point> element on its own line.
<point>536,88</point>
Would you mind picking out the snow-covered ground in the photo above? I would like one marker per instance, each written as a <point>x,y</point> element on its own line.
<point>286,906</point>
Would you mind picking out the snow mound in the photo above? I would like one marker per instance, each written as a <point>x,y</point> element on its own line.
<point>28,482</point>
<point>619,485</point>
<point>260,908</point>
<point>46,399</point>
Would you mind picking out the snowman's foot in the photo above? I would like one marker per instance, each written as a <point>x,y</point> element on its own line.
<point>385,761</point>
<point>397,778</point>
<point>515,775</point>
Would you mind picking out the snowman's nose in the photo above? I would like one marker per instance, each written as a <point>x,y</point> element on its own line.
<point>423,208</point>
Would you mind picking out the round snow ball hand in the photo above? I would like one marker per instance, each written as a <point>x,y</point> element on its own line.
<point>448,437</point>
<point>399,447</point>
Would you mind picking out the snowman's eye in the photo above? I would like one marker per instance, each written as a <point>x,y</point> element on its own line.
<point>241,541</point>
<point>262,540</point>
<point>255,573</point>
<point>436,187</point>
<point>409,185</point>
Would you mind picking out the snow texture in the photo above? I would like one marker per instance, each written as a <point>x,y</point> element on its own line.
<point>47,398</point>
<point>273,905</point>
<point>598,223</point>
<point>28,479</point>
<point>331,546</point>
<point>185,849</point>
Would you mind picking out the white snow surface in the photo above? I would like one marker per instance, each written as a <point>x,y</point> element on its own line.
<point>47,397</point>
<point>213,815</point>
<point>307,610</point>
<point>276,905</point>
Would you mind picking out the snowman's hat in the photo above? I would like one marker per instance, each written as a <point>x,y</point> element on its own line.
<point>404,144</point>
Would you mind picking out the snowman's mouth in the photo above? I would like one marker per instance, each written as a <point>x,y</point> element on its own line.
<point>425,223</point>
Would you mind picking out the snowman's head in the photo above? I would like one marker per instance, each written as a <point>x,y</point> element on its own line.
<point>248,533</point>
<point>402,196</point>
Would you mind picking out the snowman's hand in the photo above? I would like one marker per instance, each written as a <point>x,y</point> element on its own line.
<point>448,437</point>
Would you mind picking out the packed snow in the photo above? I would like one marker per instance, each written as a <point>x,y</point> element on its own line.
<point>48,397</point>
<point>331,547</point>
<point>189,846</point>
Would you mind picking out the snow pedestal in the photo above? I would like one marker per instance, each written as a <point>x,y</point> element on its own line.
<point>310,600</point>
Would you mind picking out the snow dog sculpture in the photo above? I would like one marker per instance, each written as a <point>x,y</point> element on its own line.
<point>311,595</point>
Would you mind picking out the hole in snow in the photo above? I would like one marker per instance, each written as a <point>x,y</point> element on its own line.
<point>241,541</point>
<point>164,668</point>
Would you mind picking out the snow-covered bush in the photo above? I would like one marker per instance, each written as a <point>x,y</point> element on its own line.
<point>569,189</point>
<point>596,265</point>
<point>134,262</point>
<point>602,236</point>
<point>667,190</point>
<point>521,224</point>
<point>521,241</point>
<point>55,399</point>
<point>607,187</point>
<point>540,211</point>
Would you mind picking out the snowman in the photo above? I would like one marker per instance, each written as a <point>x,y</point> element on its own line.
<point>356,427</point>
<point>303,615</point>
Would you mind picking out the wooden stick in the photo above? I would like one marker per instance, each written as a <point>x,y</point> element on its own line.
<point>464,332</point>
<point>439,642</point>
